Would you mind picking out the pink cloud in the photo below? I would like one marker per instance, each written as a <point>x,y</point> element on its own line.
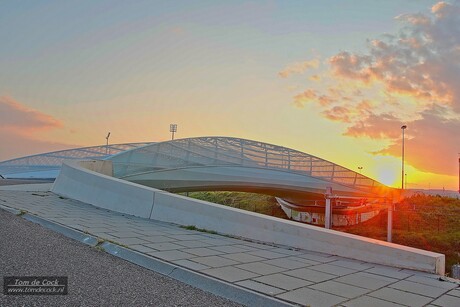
<point>18,118</point>
<point>19,127</point>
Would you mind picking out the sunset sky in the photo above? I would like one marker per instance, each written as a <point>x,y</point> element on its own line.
<point>336,79</point>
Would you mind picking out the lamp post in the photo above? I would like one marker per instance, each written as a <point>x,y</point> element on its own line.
<point>172,129</point>
<point>402,170</point>
<point>107,143</point>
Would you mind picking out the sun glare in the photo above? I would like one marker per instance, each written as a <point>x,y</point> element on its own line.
<point>388,177</point>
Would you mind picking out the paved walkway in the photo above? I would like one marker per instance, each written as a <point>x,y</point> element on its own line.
<point>295,276</point>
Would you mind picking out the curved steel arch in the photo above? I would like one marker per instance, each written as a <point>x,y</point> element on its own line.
<point>225,163</point>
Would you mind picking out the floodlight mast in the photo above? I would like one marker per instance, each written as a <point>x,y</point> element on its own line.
<point>172,129</point>
<point>402,168</point>
<point>107,143</point>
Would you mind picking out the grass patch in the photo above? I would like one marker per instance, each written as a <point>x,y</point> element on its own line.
<point>253,202</point>
<point>22,212</point>
<point>99,248</point>
<point>191,227</point>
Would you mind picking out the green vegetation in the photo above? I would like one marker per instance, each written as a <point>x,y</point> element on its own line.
<point>259,203</point>
<point>191,227</point>
<point>427,222</point>
<point>22,212</point>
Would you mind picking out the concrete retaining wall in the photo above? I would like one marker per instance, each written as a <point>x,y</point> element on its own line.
<point>110,193</point>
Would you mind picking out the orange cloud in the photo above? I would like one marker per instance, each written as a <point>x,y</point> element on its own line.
<point>306,96</point>
<point>298,68</point>
<point>431,144</point>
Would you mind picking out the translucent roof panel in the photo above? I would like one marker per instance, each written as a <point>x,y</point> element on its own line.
<point>47,165</point>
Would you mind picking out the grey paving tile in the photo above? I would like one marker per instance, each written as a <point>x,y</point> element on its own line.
<point>417,288</point>
<point>99,229</point>
<point>171,255</point>
<point>401,297</point>
<point>282,281</point>
<point>332,269</point>
<point>310,297</point>
<point>266,254</point>
<point>256,245</point>
<point>388,271</point>
<point>153,234</point>
<point>310,275</point>
<point>230,249</point>
<point>124,234</point>
<point>230,274</point>
<point>366,280</point>
<point>307,262</point>
<point>215,242</point>
<point>352,264</point>
<point>285,263</point>
<point>158,239</point>
<point>257,286</point>
<point>215,261</point>
<point>246,247</point>
<point>201,251</point>
<point>447,301</point>
<point>193,243</point>
<point>166,246</point>
<point>340,289</point>
<point>131,241</point>
<point>188,237</point>
<point>432,280</point>
<point>317,258</point>
<point>142,248</point>
<point>191,264</point>
<point>287,251</point>
<point>260,268</point>
<point>243,257</point>
<point>455,292</point>
<point>367,301</point>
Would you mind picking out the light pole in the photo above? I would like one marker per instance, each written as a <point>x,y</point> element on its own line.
<point>107,143</point>
<point>402,170</point>
<point>172,129</point>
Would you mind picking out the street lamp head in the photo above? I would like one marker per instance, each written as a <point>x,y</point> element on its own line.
<point>403,127</point>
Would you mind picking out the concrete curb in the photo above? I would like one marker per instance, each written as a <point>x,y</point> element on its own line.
<point>11,210</point>
<point>195,279</point>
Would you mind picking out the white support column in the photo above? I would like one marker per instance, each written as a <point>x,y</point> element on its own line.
<point>328,214</point>
<point>390,221</point>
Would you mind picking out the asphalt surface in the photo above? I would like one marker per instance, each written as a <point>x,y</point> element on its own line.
<point>95,278</point>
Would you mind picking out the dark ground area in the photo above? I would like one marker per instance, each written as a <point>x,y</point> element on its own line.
<point>23,181</point>
<point>94,277</point>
